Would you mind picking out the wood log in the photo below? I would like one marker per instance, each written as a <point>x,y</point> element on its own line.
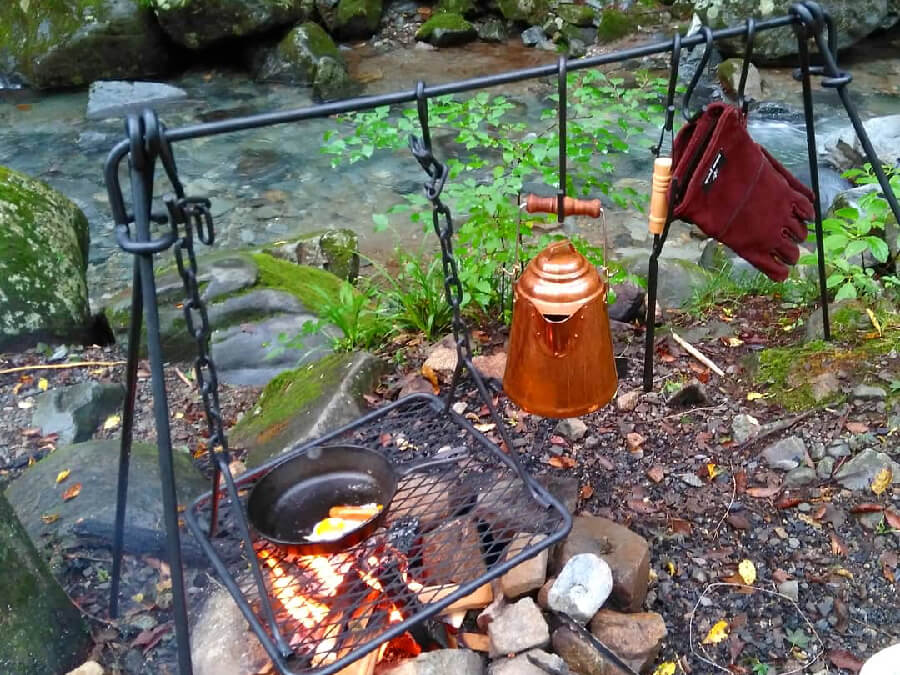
<point>478,599</point>
<point>478,642</point>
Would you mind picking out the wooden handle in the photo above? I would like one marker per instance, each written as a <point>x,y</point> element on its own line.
<point>571,207</point>
<point>659,194</point>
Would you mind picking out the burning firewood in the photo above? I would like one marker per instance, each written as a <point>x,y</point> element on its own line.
<point>481,597</point>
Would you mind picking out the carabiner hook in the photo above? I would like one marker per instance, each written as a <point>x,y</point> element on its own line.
<point>742,102</point>
<point>707,51</point>
<point>422,106</point>
<point>562,72</point>
<point>670,94</point>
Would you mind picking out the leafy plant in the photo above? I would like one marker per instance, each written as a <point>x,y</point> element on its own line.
<point>757,667</point>
<point>724,289</point>
<point>415,299</point>
<point>798,638</point>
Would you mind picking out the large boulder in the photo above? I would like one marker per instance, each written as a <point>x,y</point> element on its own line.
<point>854,20</point>
<point>843,150</point>
<point>350,19</point>
<point>305,56</point>
<point>525,11</point>
<point>200,23</point>
<point>44,244</point>
<point>70,43</point>
<point>445,30</point>
<point>40,630</point>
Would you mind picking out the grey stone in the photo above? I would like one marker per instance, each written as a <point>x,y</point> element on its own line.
<point>842,149</point>
<point>519,627</point>
<point>825,467</point>
<point>253,306</point>
<point>785,454</point>
<point>866,392</point>
<point>718,258</point>
<point>221,642</point>
<point>440,662</point>
<point>691,394</point>
<point>491,30</point>
<point>691,479</point>
<point>817,451</point>
<point>66,44</point>
<point>527,576</point>
<point>678,279</point>
<point>114,98</point>
<point>91,514</point>
<point>791,589</point>
<point>533,36</point>
<point>572,429</point>
<point>564,487</point>
<point>729,72</point>
<point>800,476</point>
<point>744,427</point>
<point>253,354</point>
<point>838,448</point>
<point>859,472</point>
<point>582,587</point>
<point>44,239</point>
<point>227,275</point>
<point>446,29</point>
<point>629,303</point>
<point>75,411</point>
<point>325,395</point>
<point>524,664</point>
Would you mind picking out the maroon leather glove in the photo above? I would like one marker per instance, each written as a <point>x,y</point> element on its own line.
<point>734,191</point>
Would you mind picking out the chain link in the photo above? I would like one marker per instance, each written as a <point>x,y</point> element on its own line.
<point>186,215</point>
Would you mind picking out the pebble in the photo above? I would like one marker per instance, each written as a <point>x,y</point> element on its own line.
<point>825,606</point>
<point>817,451</point>
<point>838,449</point>
<point>790,588</point>
<point>793,542</point>
<point>786,454</point>
<point>572,429</point>
<point>825,467</point>
<point>800,476</point>
<point>804,507</point>
<point>865,392</point>
<point>744,427</point>
<point>691,479</point>
<point>582,587</point>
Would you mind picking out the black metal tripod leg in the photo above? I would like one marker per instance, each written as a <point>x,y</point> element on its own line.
<point>803,47</point>
<point>134,345</point>
<point>650,323</point>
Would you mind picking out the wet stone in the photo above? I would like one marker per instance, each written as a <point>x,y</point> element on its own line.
<point>791,589</point>
<point>786,454</point>
<point>76,411</point>
<point>800,476</point>
<point>582,587</point>
<point>518,627</point>
<point>859,472</point>
<point>838,449</point>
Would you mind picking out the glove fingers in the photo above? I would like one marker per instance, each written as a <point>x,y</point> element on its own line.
<point>791,179</point>
<point>766,263</point>
<point>786,249</point>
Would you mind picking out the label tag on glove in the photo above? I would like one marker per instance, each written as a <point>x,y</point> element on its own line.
<point>712,174</point>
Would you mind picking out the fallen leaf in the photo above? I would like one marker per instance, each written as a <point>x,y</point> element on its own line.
<point>72,492</point>
<point>429,374</point>
<point>43,384</point>
<point>561,462</point>
<point>843,572</point>
<point>882,480</point>
<point>25,107</point>
<point>111,422</point>
<point>634,441</point>
<point>841,658</point>
<point>867,507</point>
<point>738,521</point>
<point>837,546</point>
<point>740,482</point>
<point>888,573</point>
<point>665,668</point>
<point>856,427</point>
<point>787,502</point>
<point>713,470</point>
<point>138,597</point>
<point>762,492</point>
<point>747,570</point>
<point>681,526</point>
<point>148,639</point>
<point>485,427</point>
<point>62,475</point>
<point>586,492</point>
<point>641,506</point>
<point>809,521</point>
<point>49,518</point>
<point>656,473</point>
<point>671,569</point>
<point>755,396</point>
<point>717,633</point>
<point>892,518</point>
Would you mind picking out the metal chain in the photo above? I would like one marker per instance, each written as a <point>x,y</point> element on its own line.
<point>186,215</point>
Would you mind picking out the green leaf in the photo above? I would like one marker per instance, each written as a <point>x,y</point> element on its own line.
<point>856,247</point>
<point>847,291</point>
<point>381,221</point>
<point>879,248</point>
<point>798,638</point>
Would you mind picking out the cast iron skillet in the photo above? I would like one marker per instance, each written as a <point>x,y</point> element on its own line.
<point>285,504</point>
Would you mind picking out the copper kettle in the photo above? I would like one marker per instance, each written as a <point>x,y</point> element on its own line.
<point>560,359</point>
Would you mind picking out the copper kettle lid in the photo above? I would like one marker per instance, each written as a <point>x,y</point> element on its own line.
<point>559,280</point>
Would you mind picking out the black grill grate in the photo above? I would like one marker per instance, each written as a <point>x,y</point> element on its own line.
<point>449,530</point>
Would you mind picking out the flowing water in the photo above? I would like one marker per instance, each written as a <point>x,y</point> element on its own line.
<point>272,183</point>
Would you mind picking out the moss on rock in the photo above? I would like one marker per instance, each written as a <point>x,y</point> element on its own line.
<point>577,15</point>
<point>614,24</point>
<point>44,240</point>
<point>350,19</point>
<point>533,12</point>
<point>305,283</point>
<point>445,29</point>
<point>461,7</point>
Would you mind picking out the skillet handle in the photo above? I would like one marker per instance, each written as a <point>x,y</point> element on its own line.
<point>454,455</point>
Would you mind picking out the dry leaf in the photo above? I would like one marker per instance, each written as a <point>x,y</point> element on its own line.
<point>856,427</point>
<point>747,570</point>
<point>72,492</point>
<point>111,422</point>
<point>787,502</point>
<point>733,341</point>
<point>558,440</point>
<point>665,668</point>
<point>717,633</point>
<point>49,518</point>
<point>586,492</point>
<point>43,384</point>
<point>561,462</point>
<point>762,492</point>
<point>429,374</point>
<point>893,519</point>
<point>755,396</point>
<point>875,324</point>
<point>671,569</point>
<point>843,572</point>
<point>888,573</point>
<point>882,480</point>
<point>867,507</point>
<point>713,470</point>
<point>62,475</point>
<point>837,546</point>
<point>809,520</point>
<point>841,658</point>
<point>656,473</point>
<point>485,427</point>
<point>634,441</point>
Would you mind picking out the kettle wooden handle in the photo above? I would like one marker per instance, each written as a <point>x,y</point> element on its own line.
<point>659,194</point>
<point>571,207</point>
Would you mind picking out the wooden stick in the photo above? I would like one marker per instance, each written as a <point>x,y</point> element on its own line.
<point>63,366</point>
<point>478,642</point>
<point>183,377</point>
<point>481,597</point>
<point>690,349</point>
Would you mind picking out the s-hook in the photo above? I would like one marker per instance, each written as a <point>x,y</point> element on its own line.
<point>670,97</point>
<point>695,80</point>
<point>750,33</point>
<point>562,112</point>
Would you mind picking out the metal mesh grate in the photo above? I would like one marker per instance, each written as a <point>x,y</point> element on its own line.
<point>449,530</point>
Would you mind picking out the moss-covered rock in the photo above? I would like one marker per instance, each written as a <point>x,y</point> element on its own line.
<point>577,15</point>
<point>305,56</point>
<point>462,7</point>
<point>306,403</point>
<point>44,244</point>
<point>528,11</point>
<point>70,43</point>
<point>854,20</point>
<point>350,19</point>
<point>445,30</point>
<point>40,630</point>
<point>200,23</point>
<point>614,24</point>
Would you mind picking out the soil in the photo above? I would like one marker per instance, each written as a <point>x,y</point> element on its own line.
<point>674,475</point>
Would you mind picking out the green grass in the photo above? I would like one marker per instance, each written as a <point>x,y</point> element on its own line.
<point>724,289</point>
